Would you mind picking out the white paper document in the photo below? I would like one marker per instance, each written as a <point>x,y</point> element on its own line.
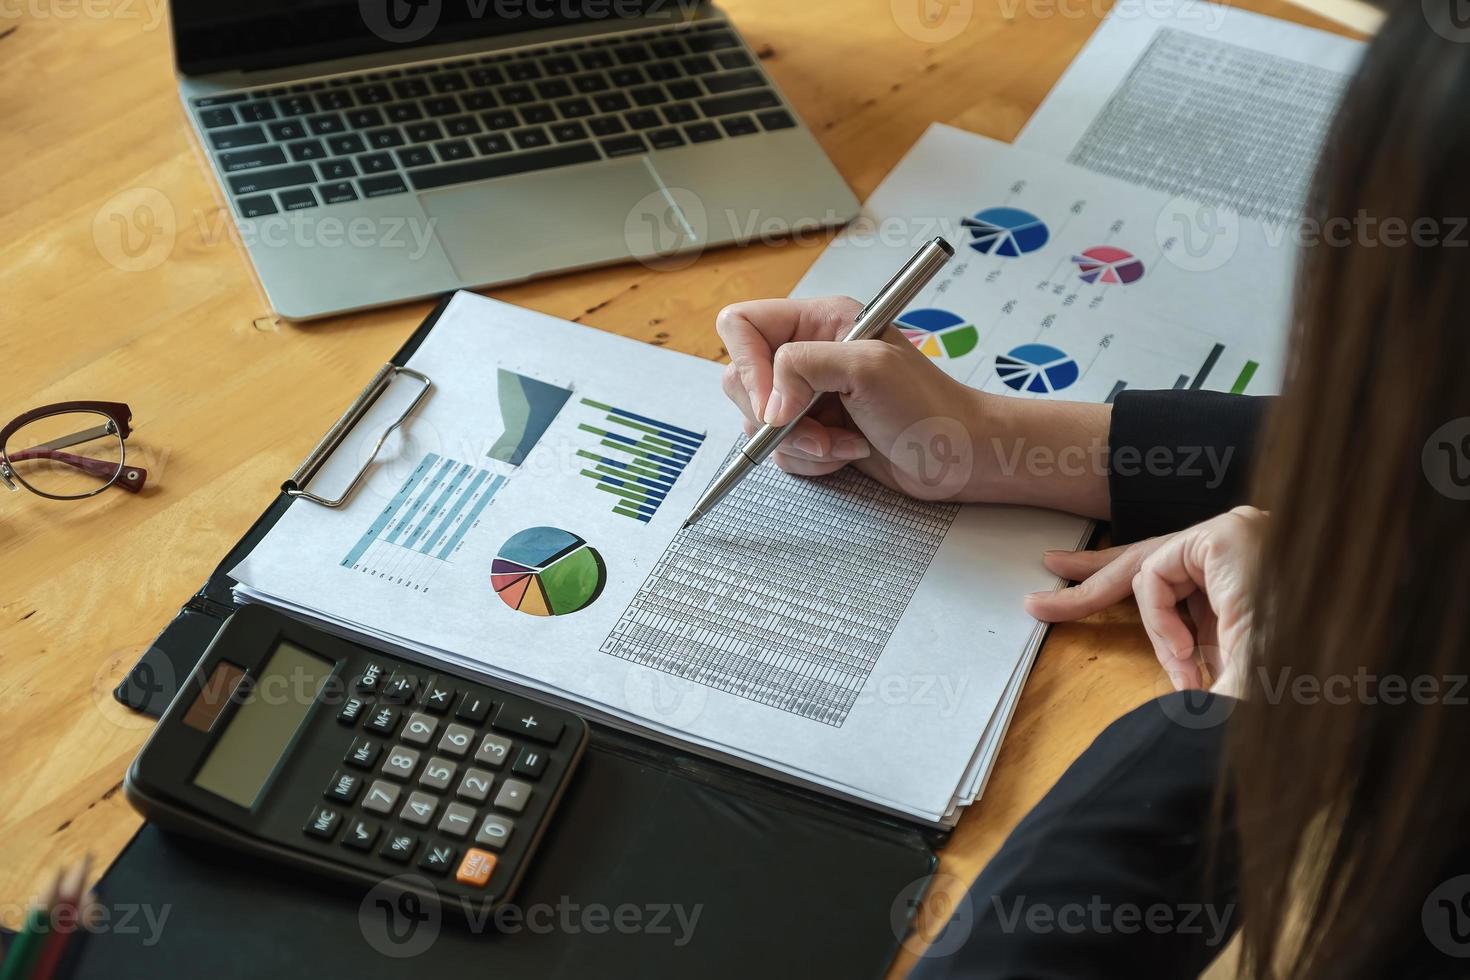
<point>1213,103</point>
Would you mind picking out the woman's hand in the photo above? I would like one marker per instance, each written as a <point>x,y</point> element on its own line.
<point>901,419</point>
<point>1210,568</point>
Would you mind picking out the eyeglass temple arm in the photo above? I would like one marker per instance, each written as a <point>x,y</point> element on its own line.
<point>131,478</point>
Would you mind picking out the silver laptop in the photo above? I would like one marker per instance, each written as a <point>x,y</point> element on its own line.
<point>374,151</point>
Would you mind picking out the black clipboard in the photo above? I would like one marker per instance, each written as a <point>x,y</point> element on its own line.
<point>789,881</point>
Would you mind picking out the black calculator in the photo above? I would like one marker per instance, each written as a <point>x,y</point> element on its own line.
<point>299,746</point>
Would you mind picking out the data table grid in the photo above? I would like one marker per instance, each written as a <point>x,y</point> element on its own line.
<point>787,592</point>
<point>1216,122</point>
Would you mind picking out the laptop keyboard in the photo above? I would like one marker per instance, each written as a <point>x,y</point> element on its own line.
<point>416,128</point>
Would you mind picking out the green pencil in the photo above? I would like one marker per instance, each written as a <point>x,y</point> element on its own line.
<point>26,947</point>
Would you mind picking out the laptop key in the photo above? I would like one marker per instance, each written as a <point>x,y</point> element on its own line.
<point>554,88</point>
<point>643,119</point>
<point>263,156</point>
<point>522,71</point>
<point>344,145</point>
<point>231,139</point>
<point>500,119</point>
<point>365,118</point>
<point>650,95</point>
<point>587,84</point>
<point>574,108</point>
<point>450,81</point>
<point>326,125</point>
<point>296,105</point>
<point>382,186</point>
<point>228,99</point>
<point>734,59</point>
<point>415,156</point>
<point>444,105</point>
<point>410,88</point>
<point>668,48</point>
<point>712,41</point>
<point>627,77</point>
<point>298,199</point>
<point>612,102</point>
<point>375,163</point>
<point>702,132</point>
<point>482,77</point>
<point>402,112</point>
<point>423,132</point>
<point>530,139</point>
<point>461,126</point>
<point>738,125</point>
<point>336,169</point>
<point>567,132</point>
<point>593,60</point>
<point>680,112</point>
<point>535,115</point>
<point>373,94</point>
<point>494,143</point>
<point>731,81</point>
<point>483,168</point>
<point>632,54</point>
<point>215,118</point>
<point>269,180</point>
<point>621,146</point>
<point>558,64</point>
<point>606,126</point>
<point>662,139</point>
<point>776,119</point>
<point>517,94</point>
<point>697,65</point>
<point>257,111</point>
<point>475,101</point>
<point>334,99</point>
<point>256,207</point>
<point>338,193</point>
<point>382,139</point>
<point>685,88</point>
<point>289,130</point>
<point>306,150</point>
<point>723,105</point>
<point>453,150</point>
<point>662,71</point>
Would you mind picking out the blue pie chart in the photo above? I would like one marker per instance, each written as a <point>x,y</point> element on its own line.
<point>1038,368</point>
<point>1010,232</point>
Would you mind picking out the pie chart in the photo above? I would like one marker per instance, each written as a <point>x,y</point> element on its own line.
<point>545,571</point>
<point>939,333</point>
<point>1104,263</point>
<point>1006,231</point>
<point>1038,368</point>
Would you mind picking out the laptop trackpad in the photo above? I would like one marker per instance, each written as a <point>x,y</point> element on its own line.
<point>520,226</point>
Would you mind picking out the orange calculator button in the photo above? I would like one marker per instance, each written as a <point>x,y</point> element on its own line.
<point>475,868</point>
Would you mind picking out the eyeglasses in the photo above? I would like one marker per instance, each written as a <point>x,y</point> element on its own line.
<point>34,450</point>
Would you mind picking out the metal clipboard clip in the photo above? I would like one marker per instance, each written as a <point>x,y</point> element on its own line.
<point>295,485</point>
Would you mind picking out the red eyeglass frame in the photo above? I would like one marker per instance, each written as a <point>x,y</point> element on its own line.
<point>129,478</point>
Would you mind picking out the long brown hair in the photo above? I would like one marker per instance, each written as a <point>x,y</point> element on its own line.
<point>1349,785</point>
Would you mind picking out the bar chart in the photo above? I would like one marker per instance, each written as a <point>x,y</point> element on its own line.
<point>1197,380</point>
<point>423,524</point>
<point>636,459</point>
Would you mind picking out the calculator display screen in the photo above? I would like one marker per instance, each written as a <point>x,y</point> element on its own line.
<point>256,738</point>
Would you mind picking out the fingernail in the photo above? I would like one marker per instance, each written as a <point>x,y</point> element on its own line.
<point>1036,595</point>
<point>773,408</point>
<point>1050,552</point>
<point>850,448</point>
<point>808,445</point>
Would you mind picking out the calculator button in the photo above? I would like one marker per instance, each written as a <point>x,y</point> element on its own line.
<point>438,696</point>
<point>457,739</point>
<point>526,720</point>
<point>457,820</point>
<point>438,858</point>
<point>381,796</point>
<point>493,751</point>
<point>360,834</point>
<point>419,729</point>
<point>401,762</point>
<point>438,772</point>
<point>371,679</point>
<point>419,809</point>
<point>473,707</point>
<point>324,822</point>
<point>475,868</point>
<point>531,762</point>
<point>344,787</point>
<point>475,786</point>
<point>513,795</point>
<point>363,754</point>
<point>352,709</point>
<point>383,719</point>
<point>494,831</point>
<point>400,687</point>
<point>399,847</point>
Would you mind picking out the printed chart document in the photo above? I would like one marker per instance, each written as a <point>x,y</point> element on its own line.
<point>1212,103</point>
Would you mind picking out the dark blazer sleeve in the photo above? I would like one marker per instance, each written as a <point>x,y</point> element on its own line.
<point>1114,873</point>
<point>1176,458</point>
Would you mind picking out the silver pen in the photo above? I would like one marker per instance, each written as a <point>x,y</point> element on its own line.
<point>871,320</point>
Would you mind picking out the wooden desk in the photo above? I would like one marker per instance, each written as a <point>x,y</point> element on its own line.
<point>226,399</point>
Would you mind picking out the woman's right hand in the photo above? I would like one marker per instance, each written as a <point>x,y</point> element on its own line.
<point>898,417</point>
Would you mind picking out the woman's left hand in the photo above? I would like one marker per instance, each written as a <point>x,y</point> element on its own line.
<point>1210,568</point>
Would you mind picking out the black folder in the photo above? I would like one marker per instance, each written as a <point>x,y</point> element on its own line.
<point>746,875</point>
